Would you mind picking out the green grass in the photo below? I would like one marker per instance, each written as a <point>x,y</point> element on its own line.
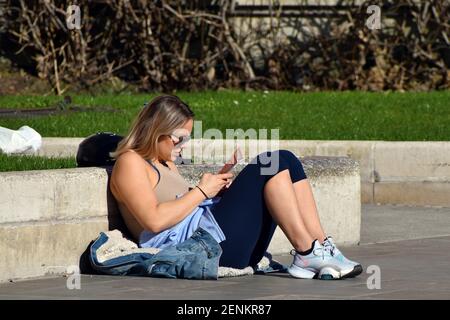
<point>390,116</point>
<point>22,163</point>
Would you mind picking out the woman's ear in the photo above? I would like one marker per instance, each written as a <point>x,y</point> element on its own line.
<point>162,138</point>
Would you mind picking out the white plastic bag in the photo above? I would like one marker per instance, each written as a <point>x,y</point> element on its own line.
<point>23,139</point>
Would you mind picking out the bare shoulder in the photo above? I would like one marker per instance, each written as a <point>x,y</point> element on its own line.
<point>129,161</point>
<point>128,167</point>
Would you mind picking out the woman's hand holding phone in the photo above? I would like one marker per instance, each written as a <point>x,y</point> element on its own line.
<point>211,184</point>
<point>236,157</point>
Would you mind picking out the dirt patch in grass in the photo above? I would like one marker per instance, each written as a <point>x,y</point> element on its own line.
<point>16,81</point>
<point>62,107</point>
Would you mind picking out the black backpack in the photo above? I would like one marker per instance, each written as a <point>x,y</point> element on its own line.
<point>94,150</point>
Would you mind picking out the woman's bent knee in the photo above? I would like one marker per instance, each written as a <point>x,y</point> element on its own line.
<point>269,156</point>
<point>296,169</point>
<point>287,154</point>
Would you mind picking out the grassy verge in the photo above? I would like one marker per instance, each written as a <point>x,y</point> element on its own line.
<point>323,115</point>
<point>22,163</point>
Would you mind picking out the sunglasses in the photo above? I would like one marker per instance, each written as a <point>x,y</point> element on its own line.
<point>179,140</point>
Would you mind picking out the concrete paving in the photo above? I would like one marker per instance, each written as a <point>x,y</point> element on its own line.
<point>409,245</point>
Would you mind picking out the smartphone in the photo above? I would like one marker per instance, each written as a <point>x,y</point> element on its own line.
<point>235,158</point>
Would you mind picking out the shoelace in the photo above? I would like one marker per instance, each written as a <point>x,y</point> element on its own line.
<point>327,245</point>
<point>322,251</point>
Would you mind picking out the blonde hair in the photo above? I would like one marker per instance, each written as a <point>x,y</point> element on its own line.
<point>159,117</point>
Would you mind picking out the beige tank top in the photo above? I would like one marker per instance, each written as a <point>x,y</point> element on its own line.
<point>170,183</point>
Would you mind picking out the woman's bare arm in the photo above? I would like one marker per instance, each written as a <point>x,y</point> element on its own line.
<point>136,192</point>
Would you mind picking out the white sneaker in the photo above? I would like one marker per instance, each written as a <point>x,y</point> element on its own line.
<point>336,253</point>
<point>318,264</point>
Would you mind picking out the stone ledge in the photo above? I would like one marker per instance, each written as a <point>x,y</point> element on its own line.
<point>315,166</point>
<point>379,161</point>
<point>416,193</point>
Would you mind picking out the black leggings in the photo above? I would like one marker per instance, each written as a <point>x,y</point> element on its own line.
<point>242,212</point>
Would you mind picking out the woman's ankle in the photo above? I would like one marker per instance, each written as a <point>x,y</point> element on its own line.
<point>307,251</point>
<point>304,246</point>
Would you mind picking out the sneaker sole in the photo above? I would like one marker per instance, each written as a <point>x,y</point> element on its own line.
<point>357,270</point>
<point>326,273</point>
<point>300,273</point>
<point>329,273</point>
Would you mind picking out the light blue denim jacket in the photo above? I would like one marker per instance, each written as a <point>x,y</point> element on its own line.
<point>201,216</point>
<point>194,258</point>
